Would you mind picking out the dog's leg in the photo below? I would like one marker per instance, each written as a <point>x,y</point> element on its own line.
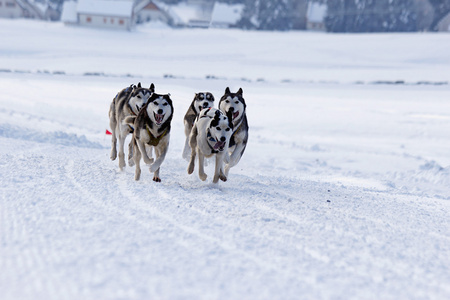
<point>156,177</point>
<point>137,161</point>
<point>131,146</point>
<point>113,125</point>
<point>143,150</point>
<point>121,150</point>
<point>193,145</point>
<point>201,171</point>
<point>160,153</point>
<point>218,174</point>
<point>187,148</point>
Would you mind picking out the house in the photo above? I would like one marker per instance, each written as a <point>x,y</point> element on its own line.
<point>191,13</point>
<point>20,9</point>
<point>150,11</point>
<point>225,15</point>
<point>315,16</point>
<point>105,14</point>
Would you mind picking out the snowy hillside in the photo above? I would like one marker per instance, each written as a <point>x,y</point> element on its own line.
<point>343,191</point>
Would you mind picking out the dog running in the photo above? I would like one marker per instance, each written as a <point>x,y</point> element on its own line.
<point>201,101</point>
<point>234,104</point>
<point>210,136</point>
<point>128,102</point>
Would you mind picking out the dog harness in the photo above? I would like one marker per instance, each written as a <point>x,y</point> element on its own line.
<point>154,141</point>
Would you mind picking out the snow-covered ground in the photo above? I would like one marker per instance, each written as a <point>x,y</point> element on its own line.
<point>343,191</point>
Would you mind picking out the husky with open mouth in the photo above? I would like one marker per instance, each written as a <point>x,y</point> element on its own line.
<point>152,131</point>
<point>234,104</point>
<point>128,102</point>
<point>201,101</point>
<point>209,137</point>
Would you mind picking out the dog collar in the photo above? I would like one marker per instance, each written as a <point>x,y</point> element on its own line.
<point>154,141</point>
<point>131,109</point>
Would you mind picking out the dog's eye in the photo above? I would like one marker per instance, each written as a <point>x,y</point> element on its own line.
<point>218,128</point>
<point>236,102</point>
<point>227,101</point>
<point>228,129</point>
<point>165,104</point>
<point>139,96</point>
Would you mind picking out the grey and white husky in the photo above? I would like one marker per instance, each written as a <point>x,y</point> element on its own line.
<point>201,101</point>
<point>209,137</point>
<point>128,102</point>
<point>234,104</point>
<point>152,131</point>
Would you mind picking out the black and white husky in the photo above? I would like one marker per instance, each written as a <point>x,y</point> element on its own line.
<point>128,102</point>
<point>152,131</point>
<point>201,101</point>
<point>234,104</point>
<point>210,136</point>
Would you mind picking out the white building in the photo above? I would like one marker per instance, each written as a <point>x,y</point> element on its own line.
<point>225,15</point>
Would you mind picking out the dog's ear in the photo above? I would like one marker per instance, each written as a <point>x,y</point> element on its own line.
<point>139,85</point>
<point>240,92</point>
<point>230,119</point>
<point>152,88</point>
<point>215,121</point>
<point>227,90</point>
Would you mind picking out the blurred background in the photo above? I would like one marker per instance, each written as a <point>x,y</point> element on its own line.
<point>317,15</point>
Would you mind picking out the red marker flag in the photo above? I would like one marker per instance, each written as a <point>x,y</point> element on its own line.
<point>108,132</point>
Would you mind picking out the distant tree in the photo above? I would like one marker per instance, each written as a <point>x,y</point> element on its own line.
<point>370,16</point>
<point>267,15</point>
<point>441,9</point>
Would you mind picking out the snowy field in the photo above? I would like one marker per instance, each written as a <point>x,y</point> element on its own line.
<point>343,191</point>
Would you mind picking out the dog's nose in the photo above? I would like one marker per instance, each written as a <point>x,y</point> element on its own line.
<point>223,139</point>
<point>160,111</point>
<point>205,104</point>
<point>231,109</point>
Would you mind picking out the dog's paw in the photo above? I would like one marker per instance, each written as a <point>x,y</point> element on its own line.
<point>203,176</point>
<point>137,176</point>
<point>131,162</point>
<point>156,179</point>
<point>223,177</point>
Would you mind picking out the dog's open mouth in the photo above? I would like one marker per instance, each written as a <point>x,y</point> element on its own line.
<point>158,118</point>
<point>235,115</point>
<point>219,146</point>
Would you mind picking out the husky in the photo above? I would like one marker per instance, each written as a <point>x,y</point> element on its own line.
<point>152,131</point>
<point>210,136</point>
<point>201,101</point>
<point>128,102</point>
<point>234,104</point>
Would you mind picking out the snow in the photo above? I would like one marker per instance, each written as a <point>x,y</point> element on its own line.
<point>106,7</point>
<point>224,15</point>
<point>316,12</point>
<point>69,12</point>
<point>343,191</point>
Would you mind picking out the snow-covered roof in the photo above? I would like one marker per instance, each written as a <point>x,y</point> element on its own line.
<point>69,12</point>
<point>316,12</point>
<point>226,14</point>
<point>106,7</point>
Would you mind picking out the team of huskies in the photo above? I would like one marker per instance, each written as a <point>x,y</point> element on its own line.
<point>209,131</point>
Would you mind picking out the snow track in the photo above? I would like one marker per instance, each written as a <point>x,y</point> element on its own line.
<point>343,191</point>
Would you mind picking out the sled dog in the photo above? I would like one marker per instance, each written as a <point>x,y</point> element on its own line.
<point>210,136</point>
<point>128,102</point>
<point>201,101</point>
<point>152,131</point>
<point>234,104</point>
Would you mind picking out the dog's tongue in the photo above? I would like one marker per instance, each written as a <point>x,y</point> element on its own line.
<point>219,145</point>
<point>159,118</point>
<point>235,115</point>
